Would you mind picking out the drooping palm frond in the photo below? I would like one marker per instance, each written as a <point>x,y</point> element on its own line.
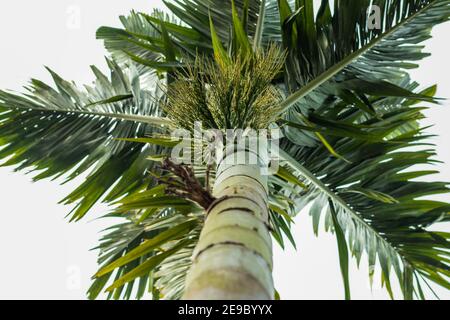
<point>139,251</point>
<point>67,131</point>
<point>159,226</point>
<point>379,203</point>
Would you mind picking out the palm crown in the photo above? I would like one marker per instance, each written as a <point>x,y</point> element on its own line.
<point>338,89</point>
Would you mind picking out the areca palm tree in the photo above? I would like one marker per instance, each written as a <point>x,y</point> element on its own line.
<point>334,82</point>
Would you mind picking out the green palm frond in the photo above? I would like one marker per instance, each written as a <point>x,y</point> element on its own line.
<point>341,47</point>
<point>65,132</point>
<point>143,40</point>
<point>196,13</point>
<point>189,31</point>
<point>135,24</point>
<point>378,202</point>
<point>157,228</point>
<point>133,254</point>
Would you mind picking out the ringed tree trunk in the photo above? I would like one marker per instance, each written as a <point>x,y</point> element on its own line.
<point>233,258</point>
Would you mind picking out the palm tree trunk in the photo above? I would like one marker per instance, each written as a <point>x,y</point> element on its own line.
<point>233,259</point>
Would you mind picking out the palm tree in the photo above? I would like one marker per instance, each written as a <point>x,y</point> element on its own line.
<point>338,90</point>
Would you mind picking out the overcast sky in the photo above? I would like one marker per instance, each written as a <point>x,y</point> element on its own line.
<point>43,256</point>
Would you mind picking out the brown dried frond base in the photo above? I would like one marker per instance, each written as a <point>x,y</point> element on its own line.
<point>187,185</point>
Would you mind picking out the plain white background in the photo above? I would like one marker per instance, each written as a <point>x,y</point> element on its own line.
<point>42,256</point>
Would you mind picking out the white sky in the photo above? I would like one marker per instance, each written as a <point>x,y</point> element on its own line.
<point>43,256</point>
